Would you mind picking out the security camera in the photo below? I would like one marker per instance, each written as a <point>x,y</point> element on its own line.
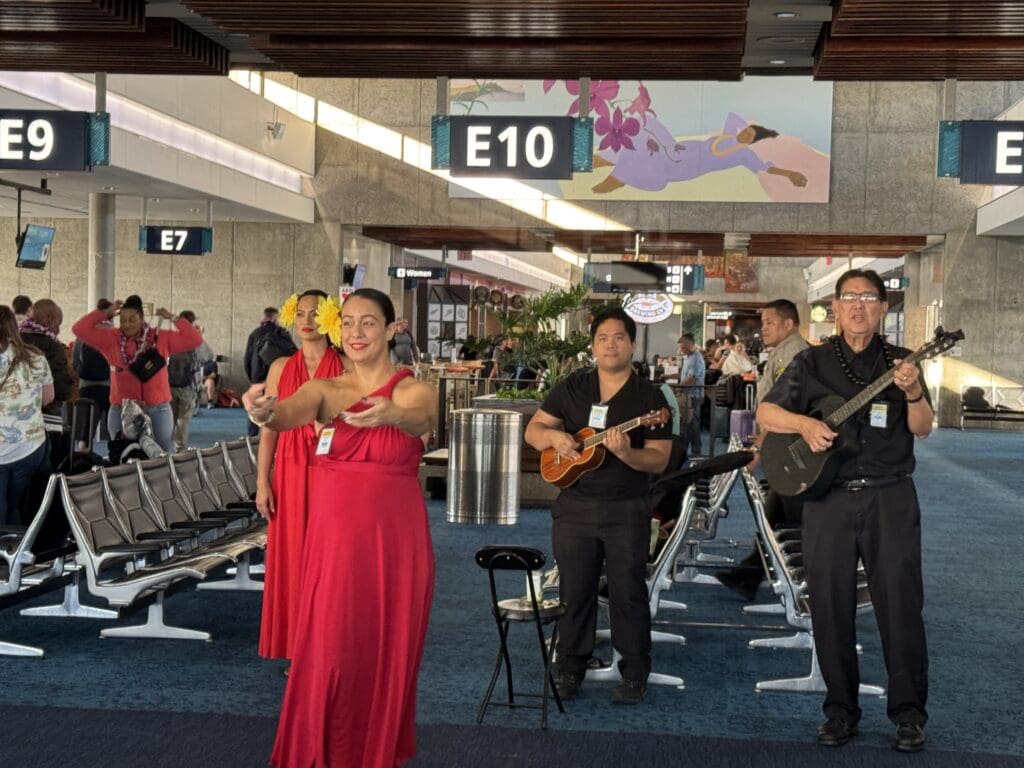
<point>276,130</point>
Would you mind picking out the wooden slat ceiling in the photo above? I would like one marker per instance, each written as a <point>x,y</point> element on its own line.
<point>165,47</point>
<point>667,39</point>
<point>77,15</point>
<point>658,244</point>
<point>459,238</point>
<point>837,246</point>
<point>923,40</point>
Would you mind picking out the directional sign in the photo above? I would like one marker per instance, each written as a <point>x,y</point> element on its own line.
<point>418,273</point>
<point>183,241</point>
<point>49,140</point>
<point>684,278</point>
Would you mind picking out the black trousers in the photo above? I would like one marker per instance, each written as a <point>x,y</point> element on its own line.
<point>882,527</point>
<point>588,537</point>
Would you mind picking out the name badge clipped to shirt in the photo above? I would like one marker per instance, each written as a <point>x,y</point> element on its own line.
<point>598,416</point>
<point>323,446</point>
<point>879,415</point>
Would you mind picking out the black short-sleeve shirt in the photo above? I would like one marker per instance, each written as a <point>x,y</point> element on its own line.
<point>571,400</point>
<point>818,371</point>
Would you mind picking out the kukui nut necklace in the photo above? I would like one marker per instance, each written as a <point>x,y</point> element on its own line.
<point>845,364</point>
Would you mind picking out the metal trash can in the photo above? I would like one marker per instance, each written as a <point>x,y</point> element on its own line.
<point>483,466</point>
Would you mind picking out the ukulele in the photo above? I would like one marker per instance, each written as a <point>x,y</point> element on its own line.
<point>563,472</point>
<point>793,469</point>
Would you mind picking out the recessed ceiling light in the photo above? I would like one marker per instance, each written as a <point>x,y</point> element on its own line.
<point>195,210</point>
<point>784,14</point>
<point>154,199</point>
<point>109,188</point>
<point>777,61</point>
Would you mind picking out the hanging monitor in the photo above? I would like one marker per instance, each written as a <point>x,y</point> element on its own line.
<point>34,246</point>
<point>625,276</point>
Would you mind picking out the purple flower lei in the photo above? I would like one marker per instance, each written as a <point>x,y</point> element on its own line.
<point>28,325</point>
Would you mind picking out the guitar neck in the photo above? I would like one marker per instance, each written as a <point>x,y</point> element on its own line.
<point>624,427</point>
<point>866,395</point>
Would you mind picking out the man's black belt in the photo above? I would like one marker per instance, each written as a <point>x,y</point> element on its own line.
<point>868,482</point>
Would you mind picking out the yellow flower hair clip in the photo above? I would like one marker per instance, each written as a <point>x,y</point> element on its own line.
<point>286,316</point>
<point>328,319</point>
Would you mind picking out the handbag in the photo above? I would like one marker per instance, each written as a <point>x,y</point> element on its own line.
<point>146,365</point>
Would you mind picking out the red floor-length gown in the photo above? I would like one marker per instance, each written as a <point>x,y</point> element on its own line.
<point>286,530</point>
<point>366,593</point>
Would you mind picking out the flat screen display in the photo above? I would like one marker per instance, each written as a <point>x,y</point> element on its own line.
<point>624,276</point>
<point>34,250</point>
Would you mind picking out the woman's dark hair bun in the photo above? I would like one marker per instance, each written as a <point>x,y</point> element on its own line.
<point>133,302</point>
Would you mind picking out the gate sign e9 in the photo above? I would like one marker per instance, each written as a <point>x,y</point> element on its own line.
<point>44,140</point>
<point>511,147</point>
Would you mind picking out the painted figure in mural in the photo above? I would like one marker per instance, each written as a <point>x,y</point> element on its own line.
<point>657,158</point>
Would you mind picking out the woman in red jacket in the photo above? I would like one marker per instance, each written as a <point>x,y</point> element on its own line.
<point>123,346</point>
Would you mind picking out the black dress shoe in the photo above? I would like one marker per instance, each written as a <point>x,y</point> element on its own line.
<point>909,738</point>
<point>629,691</point>
<point>568,685</point>
<point>835,732</point>
<point>740,582</point>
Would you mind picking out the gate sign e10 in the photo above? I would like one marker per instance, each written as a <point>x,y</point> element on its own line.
<point>185,241</point>
<point>513,147</point>
<point>44,140</point>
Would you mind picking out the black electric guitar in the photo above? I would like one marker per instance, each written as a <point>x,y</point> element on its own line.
<point>793,469</point>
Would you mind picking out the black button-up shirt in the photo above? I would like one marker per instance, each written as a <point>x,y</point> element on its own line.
<point>818,372</point>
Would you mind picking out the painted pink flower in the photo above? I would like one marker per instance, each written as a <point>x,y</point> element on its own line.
<point>616,131</point>
<point>641,104</point>
<point>601,92</point>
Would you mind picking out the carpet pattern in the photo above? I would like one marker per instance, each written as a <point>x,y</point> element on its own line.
<point>970,487</point>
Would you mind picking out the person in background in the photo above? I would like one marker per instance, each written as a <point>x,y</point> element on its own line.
<point>737,363</point>
<point>366,592</point>
<point>22,306</point>
<point>780,328</point>
<point>692,377</point>
<point>869,516</point>
<point>94,376</point>
<point>404,351</point>
<point>282,464</point>
<point>265,344</point>
<point>41,331</point>
<point>602,522</point>
<point>123,346</point>
<point>722,351</point>
<point>183,376</point>
<point>26,385</point>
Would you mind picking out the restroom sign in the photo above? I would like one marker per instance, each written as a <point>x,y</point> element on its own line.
<point>512,147</point>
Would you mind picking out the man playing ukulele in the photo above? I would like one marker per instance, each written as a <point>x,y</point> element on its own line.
<point>603,520</point>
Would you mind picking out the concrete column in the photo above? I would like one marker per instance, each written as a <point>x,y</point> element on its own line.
<point>102,228</point>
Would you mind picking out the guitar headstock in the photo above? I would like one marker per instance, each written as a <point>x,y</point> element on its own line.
<point>656,418</point>
<point>940,344</point>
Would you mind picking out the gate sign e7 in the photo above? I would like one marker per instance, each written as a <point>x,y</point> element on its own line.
<point>44,140</point>
<point>512,147</point>
<point>185,241</point>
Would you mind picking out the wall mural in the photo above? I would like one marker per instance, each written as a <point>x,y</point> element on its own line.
<point>762,140</point>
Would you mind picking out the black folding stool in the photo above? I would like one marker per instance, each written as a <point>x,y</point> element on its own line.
<point>520,609</point>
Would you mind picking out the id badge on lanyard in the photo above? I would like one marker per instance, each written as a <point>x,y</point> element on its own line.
<point>598,416</point>
<point>323,446</point>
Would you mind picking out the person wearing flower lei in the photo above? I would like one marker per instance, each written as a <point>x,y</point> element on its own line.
<point>282,461</point>
<point>124,345</point>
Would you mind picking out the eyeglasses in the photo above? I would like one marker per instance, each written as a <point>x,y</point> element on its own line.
<point>867,298</point>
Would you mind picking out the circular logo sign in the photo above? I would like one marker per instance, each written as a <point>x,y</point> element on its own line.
<point>648,308</point>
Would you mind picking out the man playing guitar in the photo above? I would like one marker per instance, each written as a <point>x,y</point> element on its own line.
<point>870,512</point>
<point>603,519</point>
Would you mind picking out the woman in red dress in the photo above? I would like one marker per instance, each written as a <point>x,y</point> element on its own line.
<point>281,495</point>
<point>368,563</point>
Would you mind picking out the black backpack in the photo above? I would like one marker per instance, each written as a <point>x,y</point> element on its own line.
<point>94,366</point>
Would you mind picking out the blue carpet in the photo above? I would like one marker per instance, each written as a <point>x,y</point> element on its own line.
<point>970,486</point>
